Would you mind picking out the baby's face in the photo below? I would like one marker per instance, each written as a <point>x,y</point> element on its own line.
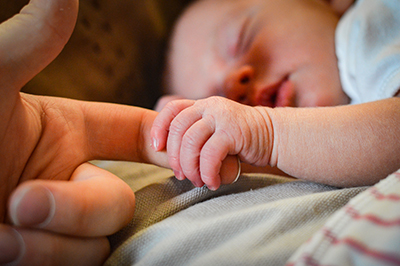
<point>257,52</point>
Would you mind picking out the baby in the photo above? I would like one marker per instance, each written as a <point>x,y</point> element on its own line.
<point>342,73</point>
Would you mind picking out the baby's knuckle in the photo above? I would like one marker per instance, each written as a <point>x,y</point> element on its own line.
<point>176,126</point>
<point>173,107</point>
<point>190,141</point>
<point>210,155</point>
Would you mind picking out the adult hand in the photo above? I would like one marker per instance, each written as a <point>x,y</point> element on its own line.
<point>47,141</point>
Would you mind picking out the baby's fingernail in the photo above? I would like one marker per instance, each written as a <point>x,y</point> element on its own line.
<point>155,144</point>
<point>212,187</point>
<point>179,175</point>
<point>12,247</point>
<point>33,205</point>
<point>198,183</point>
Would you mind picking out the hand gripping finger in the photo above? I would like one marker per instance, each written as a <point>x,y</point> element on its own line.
<point>161,125</point>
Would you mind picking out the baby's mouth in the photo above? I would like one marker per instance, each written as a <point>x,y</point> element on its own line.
<point>280,94</point>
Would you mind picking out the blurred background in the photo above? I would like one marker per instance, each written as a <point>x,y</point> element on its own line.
<point>116,53</point>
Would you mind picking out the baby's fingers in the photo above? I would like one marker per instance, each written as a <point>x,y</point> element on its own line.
<point>213,155</point>
<point>192,142</point>
<point>161,125</point>
<point>202,162</point>
<point>183,121</point>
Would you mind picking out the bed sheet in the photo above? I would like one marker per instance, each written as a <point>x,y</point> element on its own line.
<point>260,220</point>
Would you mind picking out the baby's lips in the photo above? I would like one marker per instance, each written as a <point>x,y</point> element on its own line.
<point>286,95</point>
<point>278,94</point>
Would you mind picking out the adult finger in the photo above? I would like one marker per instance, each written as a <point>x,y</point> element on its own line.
<point>133,141</point>
<point>93,203</point>
<point>22,246</point>
<point>30,40</point>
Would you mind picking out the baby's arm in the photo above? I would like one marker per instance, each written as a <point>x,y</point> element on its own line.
<point>342,146</point>
<point>348,145</point>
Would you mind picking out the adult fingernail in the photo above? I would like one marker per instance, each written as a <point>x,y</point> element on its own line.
<point>33,205</point>
<point>12,246</point>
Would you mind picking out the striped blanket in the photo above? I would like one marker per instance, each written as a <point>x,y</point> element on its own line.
<point>366,231</point>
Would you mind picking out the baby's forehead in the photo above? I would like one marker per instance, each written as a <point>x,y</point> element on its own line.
<point>199,12</point>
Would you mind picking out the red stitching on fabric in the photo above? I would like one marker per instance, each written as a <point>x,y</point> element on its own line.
<point>360,247</point>
<point>380,196</point>
<point>354,214</point>
<point>308,260</point>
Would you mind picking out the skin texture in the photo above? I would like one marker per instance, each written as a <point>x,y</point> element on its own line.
<point>335,144</point>
<point>331,145</point>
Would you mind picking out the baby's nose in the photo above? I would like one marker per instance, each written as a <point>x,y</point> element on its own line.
<point>239,85</point>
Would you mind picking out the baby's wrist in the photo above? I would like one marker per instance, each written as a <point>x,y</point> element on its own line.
<point>267,122</point>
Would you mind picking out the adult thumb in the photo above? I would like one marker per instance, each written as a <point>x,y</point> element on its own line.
<point>30,40</point>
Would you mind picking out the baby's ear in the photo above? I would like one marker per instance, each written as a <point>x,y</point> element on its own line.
<point>340,6</point>
<point>162,101</point>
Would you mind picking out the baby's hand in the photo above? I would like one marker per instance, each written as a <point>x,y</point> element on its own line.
<point>199,135</point>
